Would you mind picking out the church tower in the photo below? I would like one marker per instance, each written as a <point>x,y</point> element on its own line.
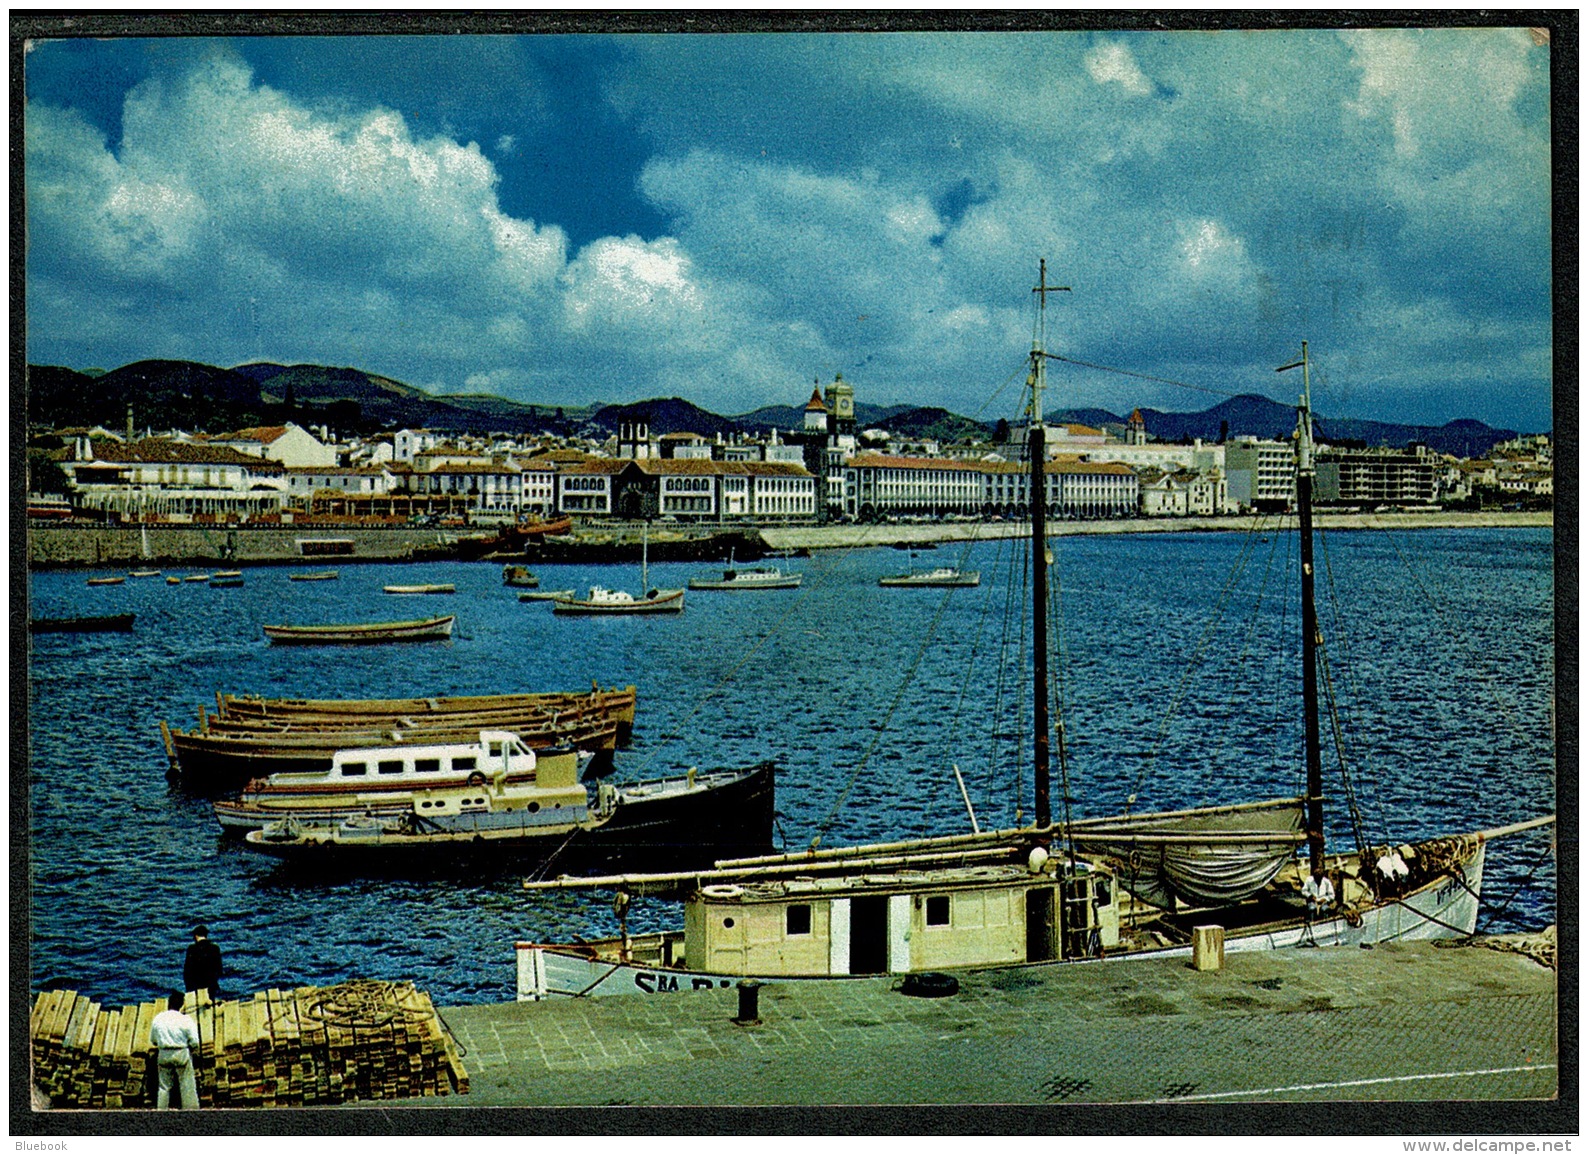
<point>1136,429</point>
<point>816,412</point>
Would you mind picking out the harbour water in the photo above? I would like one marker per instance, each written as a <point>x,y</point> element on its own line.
<point>1179,685</point>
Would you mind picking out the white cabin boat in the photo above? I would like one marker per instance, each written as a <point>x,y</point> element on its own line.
<point>940,577</point>
<point>749,578</point>
<point>384,781</point>
<point>604,601</point>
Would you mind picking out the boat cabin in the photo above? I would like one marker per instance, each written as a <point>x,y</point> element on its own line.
<point>497,754</point>
<point>894,923</point>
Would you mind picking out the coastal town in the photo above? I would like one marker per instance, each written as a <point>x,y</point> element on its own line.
<point>828,470</point>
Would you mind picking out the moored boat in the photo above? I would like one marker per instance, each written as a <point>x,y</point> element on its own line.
<point>102,623</point>
<point>620,702</point>
<point>325,575</point>
<point>941,576</point>
<point>143,573</point>
<point>898,909</point>
<point>606,602</point>
<point>383,780</point>
<point>749,578</point>
<point>518,575</point>
<point>365,633</point>
<point>544,595</point>
<point>221,755</point>
<point>601,601</point>
<point>688,818</point>
<point>432,588</point>
<point>228,581</point>
<point>106,581</point>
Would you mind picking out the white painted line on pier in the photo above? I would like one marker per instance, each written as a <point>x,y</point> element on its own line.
<point>1357,1083</point>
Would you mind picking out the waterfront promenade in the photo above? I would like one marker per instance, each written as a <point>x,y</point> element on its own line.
<point>1401,1023</point>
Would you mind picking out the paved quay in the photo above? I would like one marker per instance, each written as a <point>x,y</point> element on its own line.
<point>1403,1022</point>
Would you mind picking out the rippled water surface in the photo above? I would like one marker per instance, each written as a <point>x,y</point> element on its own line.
<point>1179,684</point>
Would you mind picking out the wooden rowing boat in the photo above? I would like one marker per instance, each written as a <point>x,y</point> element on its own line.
<point>241,705</point>
<point>327,575</point>
<point>85,625</point>
<point>224,760</point>
<point>439,588</point>
<point>106,581</point>
<point>368,633</point>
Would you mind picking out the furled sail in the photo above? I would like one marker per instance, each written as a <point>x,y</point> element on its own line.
<point>1206,856</point>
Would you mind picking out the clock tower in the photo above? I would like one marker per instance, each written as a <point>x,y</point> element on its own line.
<point>841,404</point>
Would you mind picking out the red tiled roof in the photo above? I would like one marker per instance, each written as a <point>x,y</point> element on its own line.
<point>154,450</point>
<point>883,461</point>
<point>816,404</point>
<point>264,434</point>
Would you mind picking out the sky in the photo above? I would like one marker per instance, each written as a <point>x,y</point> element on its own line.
<point>562,219</point>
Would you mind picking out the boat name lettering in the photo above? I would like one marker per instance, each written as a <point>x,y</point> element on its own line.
<point>654,984</point>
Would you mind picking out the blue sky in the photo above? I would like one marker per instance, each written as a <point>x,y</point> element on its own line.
<point>563,219</point>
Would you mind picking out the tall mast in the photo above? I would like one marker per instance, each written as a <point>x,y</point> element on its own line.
<point>1310,638</point>
<point>1037,448</point>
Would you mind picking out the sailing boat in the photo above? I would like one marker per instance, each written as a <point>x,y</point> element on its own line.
<point>607,601</point>
<point>1132,886</point>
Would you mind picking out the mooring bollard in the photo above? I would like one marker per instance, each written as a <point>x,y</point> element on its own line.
<point>749,1001</point>
<point>1207,948</point>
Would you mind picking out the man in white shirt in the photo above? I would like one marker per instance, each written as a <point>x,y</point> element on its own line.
<point>174,1036</point>
<point>1319,893</point>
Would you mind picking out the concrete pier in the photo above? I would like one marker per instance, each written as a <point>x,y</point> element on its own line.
<point>1397,1023</point>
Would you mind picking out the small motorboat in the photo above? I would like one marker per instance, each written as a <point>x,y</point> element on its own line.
<point>421,589</point>
<point>197,577</point>
<point>942,576</point>
<point>605,601</point>
<point>519,575</point>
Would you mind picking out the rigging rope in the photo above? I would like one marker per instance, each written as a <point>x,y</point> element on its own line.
<point>794,604</point>
<point>1195,660</point>
<point>882,726</point>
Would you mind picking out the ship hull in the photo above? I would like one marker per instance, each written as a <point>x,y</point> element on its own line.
<point>677,822</point>
<point>1446,907</point>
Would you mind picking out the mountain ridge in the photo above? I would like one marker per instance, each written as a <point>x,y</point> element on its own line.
<point>191,394</point>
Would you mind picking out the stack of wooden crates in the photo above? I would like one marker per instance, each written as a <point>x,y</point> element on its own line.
<point>304,1047</point>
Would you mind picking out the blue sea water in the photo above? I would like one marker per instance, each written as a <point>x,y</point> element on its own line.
<point>1178,679</point>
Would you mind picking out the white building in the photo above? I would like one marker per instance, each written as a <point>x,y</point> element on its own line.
<point>289,444</point>
<point>175,480</point>
<point>1260,472</point>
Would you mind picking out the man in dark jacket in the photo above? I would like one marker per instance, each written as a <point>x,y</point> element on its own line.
<point>202,969</point>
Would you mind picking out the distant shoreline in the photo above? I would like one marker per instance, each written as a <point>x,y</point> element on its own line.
<point>852,536</point>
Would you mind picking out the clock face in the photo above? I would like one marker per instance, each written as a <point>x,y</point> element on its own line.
<point>845,406</point>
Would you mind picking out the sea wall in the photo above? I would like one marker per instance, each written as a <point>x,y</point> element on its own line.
<point>86,546</point>
<point>851,536</point>
<point>73,545</point>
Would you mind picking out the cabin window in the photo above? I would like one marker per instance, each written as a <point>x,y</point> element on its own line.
<point>494,749</point>
<point>937,910</point>
<point>427,765</point>
<point>1105,892</point>
<point>534,807</point>
<point>463,763</point>
<point>799,918</point>
<point>354,769</point>
<point>389,767</point>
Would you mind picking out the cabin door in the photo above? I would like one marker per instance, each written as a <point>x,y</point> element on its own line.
<point>1039,924</point>
<point>868,935</point>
